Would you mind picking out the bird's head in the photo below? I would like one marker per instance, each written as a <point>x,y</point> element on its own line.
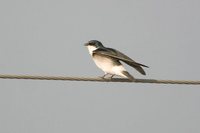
<point>93,45</point>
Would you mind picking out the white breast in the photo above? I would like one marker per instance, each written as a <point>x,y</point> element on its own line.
<point>106,64</point>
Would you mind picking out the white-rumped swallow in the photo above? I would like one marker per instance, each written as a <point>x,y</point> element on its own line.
<point>108,60</point>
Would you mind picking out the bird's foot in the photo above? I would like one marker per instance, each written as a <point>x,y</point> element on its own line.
<point>103,77</point>
<point>111,77</point>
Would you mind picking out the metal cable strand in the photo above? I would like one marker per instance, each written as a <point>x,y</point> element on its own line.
<point>99,79</point>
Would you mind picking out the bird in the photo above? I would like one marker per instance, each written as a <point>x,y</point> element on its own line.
<point>109,60</point>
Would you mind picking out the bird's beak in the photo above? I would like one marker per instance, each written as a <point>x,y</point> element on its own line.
<point>86,44</point>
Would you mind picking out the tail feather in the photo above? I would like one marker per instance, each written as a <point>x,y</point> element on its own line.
<point>137,66</point>
<point>142,65</point>
<point>130,77</point>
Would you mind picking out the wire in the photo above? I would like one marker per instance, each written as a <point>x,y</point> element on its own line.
<point>2,76</point>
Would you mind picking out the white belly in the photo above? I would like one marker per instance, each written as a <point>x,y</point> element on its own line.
<point>106,64</point>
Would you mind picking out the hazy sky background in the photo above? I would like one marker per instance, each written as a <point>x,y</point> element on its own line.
<point>46,37</point>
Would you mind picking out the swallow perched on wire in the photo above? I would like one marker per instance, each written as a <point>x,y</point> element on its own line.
<point>108,60</point>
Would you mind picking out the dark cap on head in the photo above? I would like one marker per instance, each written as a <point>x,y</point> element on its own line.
<point>95,43</point>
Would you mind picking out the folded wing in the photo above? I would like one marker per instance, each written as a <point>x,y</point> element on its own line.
<point>120,56</point>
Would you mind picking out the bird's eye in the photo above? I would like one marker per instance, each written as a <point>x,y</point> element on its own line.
<point>90,43</point>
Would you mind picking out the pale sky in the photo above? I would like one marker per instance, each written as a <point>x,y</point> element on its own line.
<point>46,37</point>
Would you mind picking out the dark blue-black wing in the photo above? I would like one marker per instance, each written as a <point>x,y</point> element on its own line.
<point>120,56</point>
